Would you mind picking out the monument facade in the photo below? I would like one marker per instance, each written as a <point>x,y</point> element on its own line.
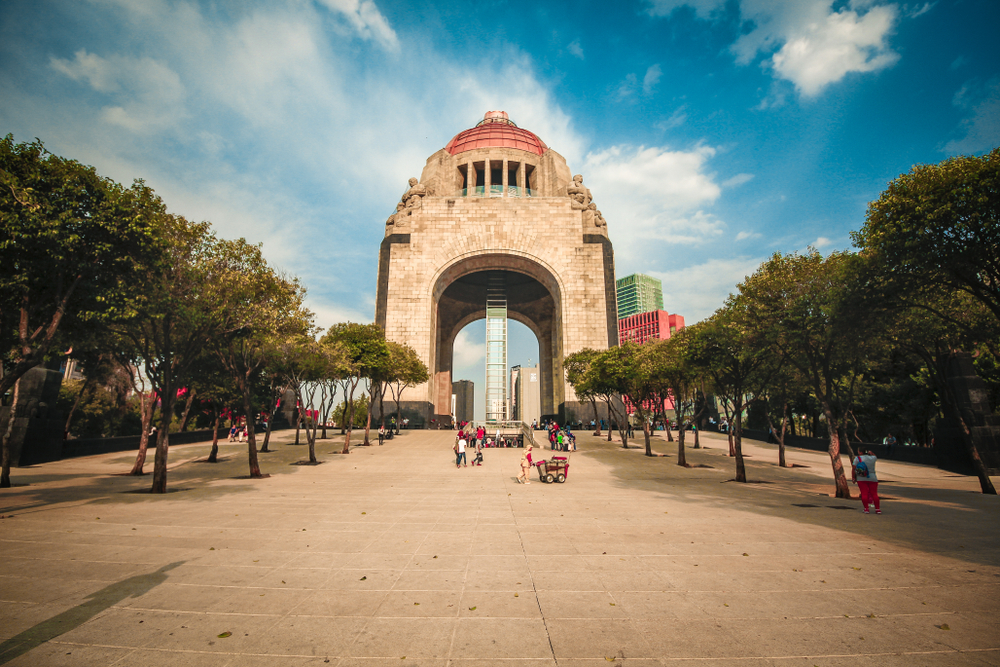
<point>496,211</point>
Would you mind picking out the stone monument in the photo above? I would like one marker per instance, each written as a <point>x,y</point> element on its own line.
<point>496,206</point>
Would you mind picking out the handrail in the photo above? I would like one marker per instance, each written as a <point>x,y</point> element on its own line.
<point>507,427</point>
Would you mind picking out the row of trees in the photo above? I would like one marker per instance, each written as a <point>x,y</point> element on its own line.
<point>868,337</point>
<point>107,274</point>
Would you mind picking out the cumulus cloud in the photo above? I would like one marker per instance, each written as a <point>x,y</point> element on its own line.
<point>819,54</point>
<point>467,351</point>
<point>697,291</point>
<point>981,128</point>
<point>820,243</point>
<point>806,42</point>
<point>655,193</point>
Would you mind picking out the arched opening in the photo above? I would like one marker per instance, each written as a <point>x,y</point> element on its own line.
<point>533,299</point>
<point>469,358</point>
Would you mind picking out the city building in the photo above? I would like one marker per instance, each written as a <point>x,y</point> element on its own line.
<point>658,324</point>
<point>463,398</point>
<point>638,293</point>
<point>525,394</point>
<point>654,325</point>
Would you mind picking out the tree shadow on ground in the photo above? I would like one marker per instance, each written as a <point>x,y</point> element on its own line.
<point>71,619</point>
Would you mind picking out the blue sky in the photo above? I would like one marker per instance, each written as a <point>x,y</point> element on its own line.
<point>712,133</point>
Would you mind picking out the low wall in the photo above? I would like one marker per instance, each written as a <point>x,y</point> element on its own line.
<point>922,455</point>
<point>90,446</point>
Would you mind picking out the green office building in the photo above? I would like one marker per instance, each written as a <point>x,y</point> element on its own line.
<point>638,293</point>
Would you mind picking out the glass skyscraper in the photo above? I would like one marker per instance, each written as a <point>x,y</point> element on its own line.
<point>638,293</point>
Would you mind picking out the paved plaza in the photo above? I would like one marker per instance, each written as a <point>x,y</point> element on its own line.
<point>392,556</point>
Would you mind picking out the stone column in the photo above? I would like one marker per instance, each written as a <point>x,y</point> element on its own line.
<point>522,175</point>
<point>487,176</point>
<point>505,177</point>
<point>470,181</point>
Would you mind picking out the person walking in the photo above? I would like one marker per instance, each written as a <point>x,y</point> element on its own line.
<point>460,444</point>
<point>863,474</point>
<point>381,434</point>
<point>525,465</point>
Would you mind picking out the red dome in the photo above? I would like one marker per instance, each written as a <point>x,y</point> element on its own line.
<point>496,131</point>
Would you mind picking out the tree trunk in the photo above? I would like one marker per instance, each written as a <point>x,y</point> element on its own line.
<point>681,454</point>
<point>298,425</point>
<point>8,432</point>
<point>697,440</point>
<point>267,433</point>
<point>597,417</point>
<point>251,440</point>
<point>213,456</point>
<point>737,440</point>
<point>843,491</point>
<point>607,403</point>
<point>368,416</point>
<point>781,438</point>
<point>845,441</point>
<point>76,403</point>
<point>349,418</point>
<point>646,433</point>
<point>187,410</point>
<point>147,423</point>
<point>167,398</point>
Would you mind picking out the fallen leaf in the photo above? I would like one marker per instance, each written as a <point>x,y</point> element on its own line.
<point>856,568</point>
<point>724,604</point>
<point>282,581</point>
<point>416,604</point>
<point>363,578</point>
<point>224,635</point>
<point>515,595</point>
<point>211,548</point>
<point>745,553</point>
<point>472,608</point>
<point>435,556</point>
<point>612,604</point>
<point>944,626</point>
<point>364,512</point>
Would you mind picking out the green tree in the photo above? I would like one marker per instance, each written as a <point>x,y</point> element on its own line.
<point>72,247</point>
<point>731,350</point>
<point>804,305</point>
<point>937,229</point>
<point>259,306</point>
<point>366,349</point>
<point>577,366</point>
<point>408,370</point>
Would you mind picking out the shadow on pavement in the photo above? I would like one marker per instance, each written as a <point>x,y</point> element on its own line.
<point>73,618</point>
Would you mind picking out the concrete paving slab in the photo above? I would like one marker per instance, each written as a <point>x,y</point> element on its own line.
<point>633,560</point>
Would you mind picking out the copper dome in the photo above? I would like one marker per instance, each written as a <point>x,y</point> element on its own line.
<point>496,130</point>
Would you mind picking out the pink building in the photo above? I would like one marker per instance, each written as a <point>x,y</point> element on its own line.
<point>656,324</point>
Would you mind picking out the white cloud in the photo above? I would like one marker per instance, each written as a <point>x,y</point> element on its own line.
<point>745,235</point>
<point>366,19</point>
<point>149,95</point>
<point>652,77</point>
<point>654,193</point>
<point>819,54</point>
<point>820,243</point>
<point>697,291</point>
<point>806,41</point>
<point>468,352</point>
<point>738,179</point>
<point>676,119</point>
<point>981,128</point>
<point>575,48</point>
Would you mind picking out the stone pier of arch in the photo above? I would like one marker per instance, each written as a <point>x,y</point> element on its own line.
<point>443,241</point>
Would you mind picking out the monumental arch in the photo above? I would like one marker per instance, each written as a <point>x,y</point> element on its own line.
<point>496,206</point>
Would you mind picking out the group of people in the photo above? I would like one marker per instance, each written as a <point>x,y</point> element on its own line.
<point>238,433</point>
<point>464,440</point>
<point>560,439</point>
